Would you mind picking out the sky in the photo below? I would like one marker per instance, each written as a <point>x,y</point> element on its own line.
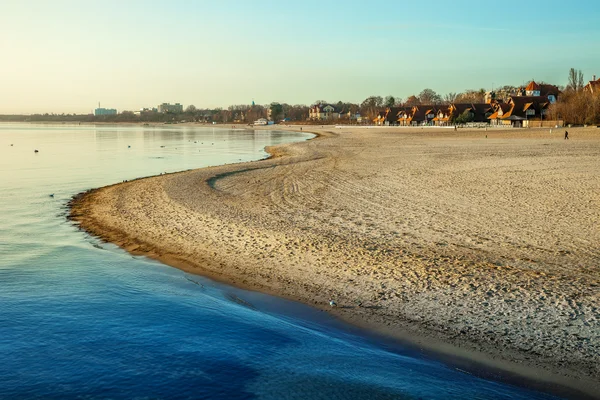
<point>65,56</point>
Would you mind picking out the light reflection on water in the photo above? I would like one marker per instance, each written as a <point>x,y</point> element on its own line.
<point>83,321</point>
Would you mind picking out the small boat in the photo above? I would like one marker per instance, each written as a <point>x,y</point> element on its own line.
<point>261,121</point>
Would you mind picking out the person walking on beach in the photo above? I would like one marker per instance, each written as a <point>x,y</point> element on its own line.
<point>566,135</point>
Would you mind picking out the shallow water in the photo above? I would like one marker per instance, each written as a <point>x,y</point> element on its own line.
<point>81,318</point>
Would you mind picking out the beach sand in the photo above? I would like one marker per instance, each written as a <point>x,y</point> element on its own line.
<point>485,247</point>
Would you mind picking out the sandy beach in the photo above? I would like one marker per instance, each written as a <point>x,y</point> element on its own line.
<point>484,244</point>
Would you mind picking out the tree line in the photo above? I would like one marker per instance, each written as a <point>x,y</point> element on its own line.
<point>576,105</point>
<point>246,113</point>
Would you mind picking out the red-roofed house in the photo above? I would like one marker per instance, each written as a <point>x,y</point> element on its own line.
<point>535,90</point>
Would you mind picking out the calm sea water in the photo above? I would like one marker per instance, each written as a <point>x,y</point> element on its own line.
<point>83,319</point>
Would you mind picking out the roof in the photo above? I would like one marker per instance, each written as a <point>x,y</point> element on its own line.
<point>420,112</point>
<point>479,110</point>
<point>593,85</point>
<point>405,109</point>
<point>518,105</point>
<point>532,86</point>
<point>320,107</point>
<point>524,100</point>
<point>547,90</point>
<point>505,107</point>
<point>392,113</point>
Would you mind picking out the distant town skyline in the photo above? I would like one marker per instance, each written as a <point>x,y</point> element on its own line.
<point>66,56</point>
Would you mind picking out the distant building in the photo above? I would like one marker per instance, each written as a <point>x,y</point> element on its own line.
<point>520,111</point>
<point>417,115</point>
<point>593,86</point>
<point>105,111</point>
<point>170,108</point>
<point>323,112</point>
<point>389,117</point>
<point>534,89</point>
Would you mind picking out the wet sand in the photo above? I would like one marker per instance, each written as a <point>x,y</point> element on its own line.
<point>485,248</point>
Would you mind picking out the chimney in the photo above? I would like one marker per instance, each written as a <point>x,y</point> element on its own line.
<point>594,78</point>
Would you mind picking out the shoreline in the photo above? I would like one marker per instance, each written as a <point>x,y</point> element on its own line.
<point>92,208</point>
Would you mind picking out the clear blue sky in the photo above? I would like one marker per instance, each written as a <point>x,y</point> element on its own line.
<point>65,56</point>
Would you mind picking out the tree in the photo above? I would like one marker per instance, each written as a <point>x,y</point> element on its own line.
<point>450,98</point>
<point>190,109</point>
<point>390,101</point>
<point>428,96</point>
<point>577,108</point>
<point>371,105</point>
<point>466,116</point>
<point>471,96</point>
<point>125,116</point>
<point>575,80</point>
<point>255,112</point>
<point>413,101</point>
<point>298,112</point>
<point>276,110</point>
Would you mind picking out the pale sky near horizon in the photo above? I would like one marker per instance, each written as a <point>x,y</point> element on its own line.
<point>66,56</point>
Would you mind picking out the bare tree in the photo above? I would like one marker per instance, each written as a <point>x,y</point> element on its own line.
<point>504,92</point>
<point>429,96</point>
<point>577,108</point>
<point>471,96</point>
<point>413,101</point>
<point>575,80</point>
<point>449,98</point>
<point>371,105</point>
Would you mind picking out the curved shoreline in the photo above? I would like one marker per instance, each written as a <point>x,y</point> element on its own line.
<point>271,219</point>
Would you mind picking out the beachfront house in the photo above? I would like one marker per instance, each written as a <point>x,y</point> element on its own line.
<point>520,111</point>
<point>534,89</point>
<point>470,112</point>
<point>423,114</point>
<point>388,117</point>
<point>405,116</point>
<point>417,115</point>
<point>323,112</point>
<point>442,117</point>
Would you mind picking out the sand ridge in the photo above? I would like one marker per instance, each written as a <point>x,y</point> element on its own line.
<point>487,243</point>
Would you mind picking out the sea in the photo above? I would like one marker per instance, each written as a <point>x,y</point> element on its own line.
<point>83,319</point>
